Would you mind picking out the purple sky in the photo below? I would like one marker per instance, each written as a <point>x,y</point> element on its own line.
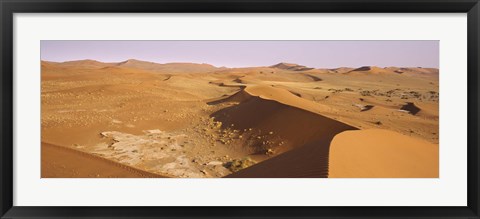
<point>319,54</point>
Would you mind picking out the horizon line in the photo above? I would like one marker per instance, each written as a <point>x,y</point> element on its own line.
<point>223,66</point>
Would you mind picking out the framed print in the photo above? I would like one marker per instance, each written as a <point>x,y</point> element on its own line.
<point>239,109</point>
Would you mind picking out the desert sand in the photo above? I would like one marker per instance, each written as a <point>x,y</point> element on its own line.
<point>144,119</point>
<point>392,156</point>
<point>63,162</point>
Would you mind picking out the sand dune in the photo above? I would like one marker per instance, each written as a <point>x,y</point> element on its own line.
<point>371,70</point>
<point>285,124</point>
<point>136,64</point>
<point>340,70</point>
<point>291,66</point>
<point>308,138</point>
<point>382,153</point>
<point>168,67</point>
<point>288,118</point>
<point>415,71</point>
<point>63,162</point>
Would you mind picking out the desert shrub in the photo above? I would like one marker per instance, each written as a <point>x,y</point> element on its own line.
<point>365,93</point>
<point>239,164</point>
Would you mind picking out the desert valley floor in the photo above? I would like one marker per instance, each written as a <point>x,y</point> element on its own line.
<point>144,119</point>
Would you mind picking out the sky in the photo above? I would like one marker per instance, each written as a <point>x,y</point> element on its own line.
<point>318,54</point>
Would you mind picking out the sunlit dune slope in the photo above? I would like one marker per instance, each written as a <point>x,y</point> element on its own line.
<point>63,162</point>
<point>383,154</point>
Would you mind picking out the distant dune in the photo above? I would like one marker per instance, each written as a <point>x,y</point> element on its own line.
<point>137,64</point>
<point>206,68</point>
<point>417,71</point>
<point>169,67</point>
<point>340,70</point>
<point>395,70</point>
<point>371,70</point>
<point>291,66</point>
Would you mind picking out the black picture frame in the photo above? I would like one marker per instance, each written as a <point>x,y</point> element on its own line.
<point>9,7</point>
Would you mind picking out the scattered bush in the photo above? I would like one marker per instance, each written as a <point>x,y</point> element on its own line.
<point>239,164</point>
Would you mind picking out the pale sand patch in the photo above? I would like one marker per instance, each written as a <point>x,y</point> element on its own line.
<point>155,151</point>
<point>115,121</point>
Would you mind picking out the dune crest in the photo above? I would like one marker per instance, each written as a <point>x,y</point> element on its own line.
<point>284,96</point>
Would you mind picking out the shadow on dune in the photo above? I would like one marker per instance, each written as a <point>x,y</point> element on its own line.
<point>314,78</point>
<point>367,108</point>
<point>411,108</point>
<point>307,136</point>
<point>296,94</point>
<point>308,161</point>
